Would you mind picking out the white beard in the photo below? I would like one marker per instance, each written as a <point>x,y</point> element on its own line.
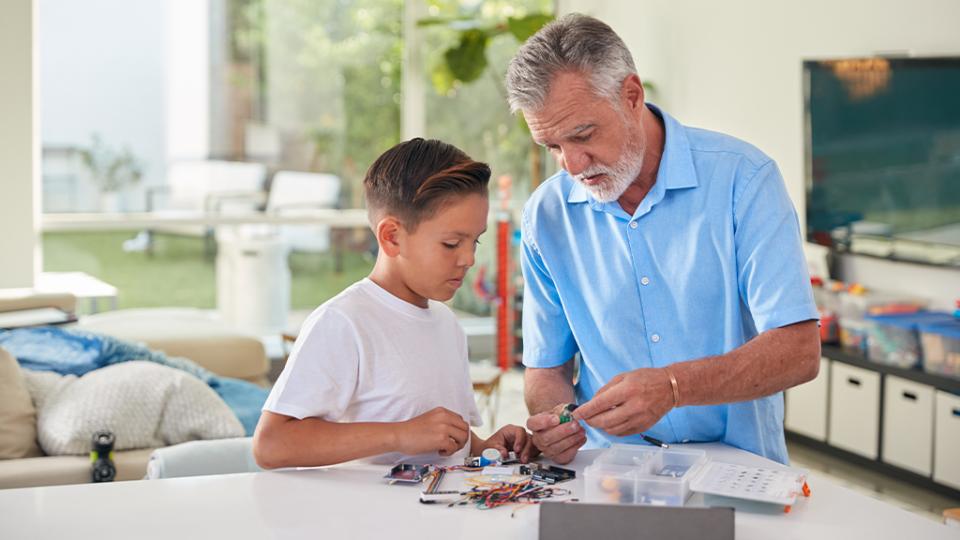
<point>619,175</point>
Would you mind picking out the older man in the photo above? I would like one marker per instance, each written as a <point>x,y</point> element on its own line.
<point>668,257</point>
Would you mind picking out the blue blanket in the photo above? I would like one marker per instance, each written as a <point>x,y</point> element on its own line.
<point>69,351</point>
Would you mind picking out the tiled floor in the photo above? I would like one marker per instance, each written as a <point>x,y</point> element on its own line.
<point>921,501</point>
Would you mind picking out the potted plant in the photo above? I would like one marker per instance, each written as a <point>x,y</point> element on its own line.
<point>111,170</point>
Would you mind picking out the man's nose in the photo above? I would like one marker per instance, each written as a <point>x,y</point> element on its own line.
<point>575,161</point>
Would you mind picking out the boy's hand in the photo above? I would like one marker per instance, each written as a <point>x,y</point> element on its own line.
<point>513,438</point>
<point>439,430</point>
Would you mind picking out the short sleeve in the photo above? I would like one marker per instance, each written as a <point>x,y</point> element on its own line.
<point>771,268</point>
<point>547,338</point>
<point>320,377</point>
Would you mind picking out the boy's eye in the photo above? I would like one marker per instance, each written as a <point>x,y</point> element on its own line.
<point>451,246</point>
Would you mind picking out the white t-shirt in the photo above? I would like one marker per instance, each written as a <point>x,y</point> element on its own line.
<point>367,356</point>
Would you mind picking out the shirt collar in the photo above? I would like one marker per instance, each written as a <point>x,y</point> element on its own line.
<point>676,169</point>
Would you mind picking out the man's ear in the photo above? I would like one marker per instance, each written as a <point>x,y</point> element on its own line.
<point>631,92</point>
<point>389,233</point>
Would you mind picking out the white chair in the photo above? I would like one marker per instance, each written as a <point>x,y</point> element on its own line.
<point>293,193</point>
<point>203,458</point>
<point>207,186</point>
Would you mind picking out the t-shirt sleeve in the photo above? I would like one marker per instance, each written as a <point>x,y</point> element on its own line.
<point>771,268</point>
<point>547,338</point>
<point>320,377</point>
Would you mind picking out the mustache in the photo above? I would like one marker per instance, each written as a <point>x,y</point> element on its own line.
<point>593,172</point>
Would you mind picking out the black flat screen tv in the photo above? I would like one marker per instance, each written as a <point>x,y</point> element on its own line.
<point>883,157</point>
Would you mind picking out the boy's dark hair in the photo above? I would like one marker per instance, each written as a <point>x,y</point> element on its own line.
<point>415,178</point>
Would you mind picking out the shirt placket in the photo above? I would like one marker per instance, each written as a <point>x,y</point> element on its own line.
<point>642,273</point>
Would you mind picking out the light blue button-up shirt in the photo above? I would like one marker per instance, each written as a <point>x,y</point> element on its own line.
<point>711,257</point>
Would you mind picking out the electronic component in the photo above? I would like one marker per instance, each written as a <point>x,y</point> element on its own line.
<point>673,471</point>
<point>433,494</point>
<point>492,456</point>
<point>511,459</point>
<point>551,474</point>
<point>407,473</point>
<point>566,412</point>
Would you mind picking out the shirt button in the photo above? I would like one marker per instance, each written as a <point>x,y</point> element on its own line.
<point>633,225</point>
<point>655,338</point>
<point>644,280</point>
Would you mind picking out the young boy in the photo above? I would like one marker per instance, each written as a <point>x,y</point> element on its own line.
<point>381,369</point>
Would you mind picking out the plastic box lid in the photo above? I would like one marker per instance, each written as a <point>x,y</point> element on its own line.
<point>911,321</point>
<point>950,329</point>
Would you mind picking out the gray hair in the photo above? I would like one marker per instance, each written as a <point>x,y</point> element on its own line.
<point>576,43</point>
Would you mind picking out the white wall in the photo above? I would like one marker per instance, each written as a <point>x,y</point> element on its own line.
<point>136,73</point>
<point>735,66</point>
<point>102,70</point>
<point>19,147</point>
<point>187,66</point>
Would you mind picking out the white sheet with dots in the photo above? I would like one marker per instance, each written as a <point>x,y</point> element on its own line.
<point>777,486</point>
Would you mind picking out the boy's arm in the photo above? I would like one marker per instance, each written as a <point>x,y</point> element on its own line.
<point>284,441</point>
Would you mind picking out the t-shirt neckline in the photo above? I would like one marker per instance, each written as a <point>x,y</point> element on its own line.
<point>395,303</point>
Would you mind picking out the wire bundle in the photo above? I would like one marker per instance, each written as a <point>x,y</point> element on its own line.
<point>488,495</point>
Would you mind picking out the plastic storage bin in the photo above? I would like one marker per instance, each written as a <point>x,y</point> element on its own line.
<point>895,339</point>
<point>642,476</point>
<point>853,335</point>
<point>627,455</point>
<point>664,479</point>
<point>611,484</point>
<point>826,296</point>
<point>941,348</point>
<point>858,302</point>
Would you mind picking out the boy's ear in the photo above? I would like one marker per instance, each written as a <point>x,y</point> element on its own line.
<point>389,230</point>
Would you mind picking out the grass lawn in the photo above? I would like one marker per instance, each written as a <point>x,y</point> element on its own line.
<point>179,274</point>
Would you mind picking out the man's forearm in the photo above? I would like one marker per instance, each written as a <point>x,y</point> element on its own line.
<point>544,388</point>
<point>773,361</point>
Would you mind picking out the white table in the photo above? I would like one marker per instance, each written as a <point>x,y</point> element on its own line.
<point>79,284</point>
<point>352,501</point>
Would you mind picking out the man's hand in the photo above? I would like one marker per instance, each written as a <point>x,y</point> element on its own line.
<point>630,403</point>
<point>557,441</point>
<point>439,430</point>
<point>512,438</point>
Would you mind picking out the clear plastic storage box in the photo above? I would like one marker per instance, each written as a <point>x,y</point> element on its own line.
<point>895,339</point>
<point>640,475</point>
<point>941,348</point>
<point>853,335</point>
